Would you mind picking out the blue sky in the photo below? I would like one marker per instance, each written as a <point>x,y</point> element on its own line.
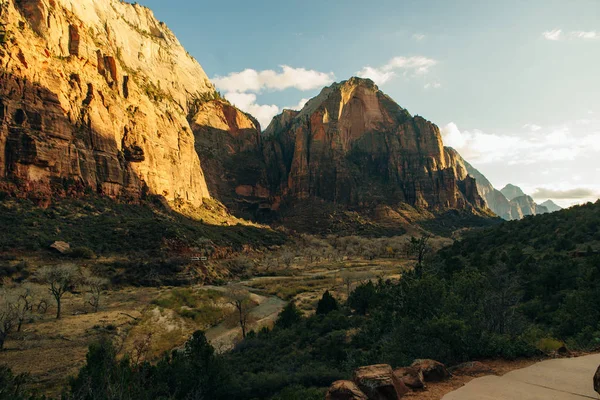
<point>515,85</point>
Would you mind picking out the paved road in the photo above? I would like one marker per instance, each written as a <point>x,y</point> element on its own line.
<point>560,379</point>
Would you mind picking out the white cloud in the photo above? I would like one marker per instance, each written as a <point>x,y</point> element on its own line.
<point>432,85</point>
<point>376,75</point>
<point>590,35</point>
<point>251,80</point>
<point>558,34</point>
<point>538,146</point>
<point>565,192</point>
<point>298,106</point>
<point>242,88</point>
<point>556,162</point>
<point>532,127</point>
<point>247,103</point>
<point>554,34</point>
<point>417,65</point>
<point>418,36</point>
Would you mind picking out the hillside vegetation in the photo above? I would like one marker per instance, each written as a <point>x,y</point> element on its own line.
<point>107,227</point>
<point>517,289</point>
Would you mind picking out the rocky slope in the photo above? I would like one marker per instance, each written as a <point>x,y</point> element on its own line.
<point>510,203</point>
<point>96,94</point>
<point>494,199</point>
<point>528,206</point>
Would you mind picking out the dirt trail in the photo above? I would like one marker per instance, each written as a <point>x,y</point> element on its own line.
<point>224,336</point>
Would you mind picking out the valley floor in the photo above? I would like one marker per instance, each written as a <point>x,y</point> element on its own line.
<point>159,319</point>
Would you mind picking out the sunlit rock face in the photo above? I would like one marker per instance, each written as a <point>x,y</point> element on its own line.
<point>96,94</point>
<point>353,145</point>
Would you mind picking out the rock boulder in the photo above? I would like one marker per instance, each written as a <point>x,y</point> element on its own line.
<point>433,371</point>
<point>378,382</point>
<point>61,247</point>
<point>344,390</point>
<point>411,377</point>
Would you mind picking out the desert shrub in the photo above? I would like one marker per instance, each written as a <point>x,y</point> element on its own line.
<point>202,306</point>
<point>82,252</point>
<point>107,227</point>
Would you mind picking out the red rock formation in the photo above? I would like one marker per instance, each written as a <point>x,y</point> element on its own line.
<point>228,142</point>
<point>353,145</point>
<point>63,118</point>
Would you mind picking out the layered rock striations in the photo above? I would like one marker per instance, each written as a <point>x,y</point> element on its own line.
<point>353,145</point>
<point>97,93</point>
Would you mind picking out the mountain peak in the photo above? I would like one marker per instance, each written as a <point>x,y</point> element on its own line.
<point>512,192</point>
<point>352,144</point>
<point>551,206</point>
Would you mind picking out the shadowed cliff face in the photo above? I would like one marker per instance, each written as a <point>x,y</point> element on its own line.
<point>228,142</point>
<point>97,93</point>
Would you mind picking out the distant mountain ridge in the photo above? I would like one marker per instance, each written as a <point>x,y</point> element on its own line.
<point>509,203</point>
<point>551,206</point>
<point>511,191</point>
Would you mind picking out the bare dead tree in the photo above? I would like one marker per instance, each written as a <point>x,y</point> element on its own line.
<point>141,348</point>
<point>348,279</point>
<point>287,257</point>
<point>240,299</point>
<point>419,247</point>
<point>8,315</point>
<point>61,279</point>
<point>95,286</point>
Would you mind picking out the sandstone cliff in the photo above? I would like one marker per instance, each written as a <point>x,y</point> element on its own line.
<point>96,93</point>
<point>229,144</point>
<point>353,145</point>
<point>351,148</point>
